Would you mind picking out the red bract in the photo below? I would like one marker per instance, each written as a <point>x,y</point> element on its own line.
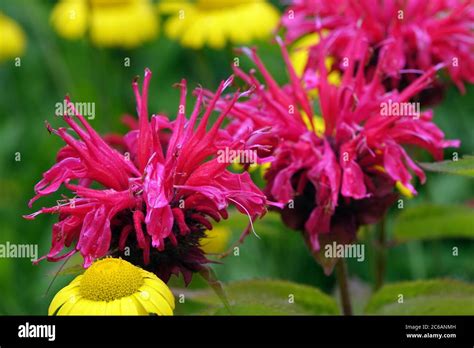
<point>156,197</point>
<point>343,176</point>
<point>415,34</point>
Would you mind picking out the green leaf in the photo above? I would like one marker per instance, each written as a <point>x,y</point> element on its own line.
<point>464,166</point>
<point>429,221</point>
<point>261,297</point>
<point>428,297</point>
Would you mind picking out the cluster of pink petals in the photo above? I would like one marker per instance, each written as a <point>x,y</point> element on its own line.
<point>160,189</point>
<point>407,35</point>
<point>346,176</point>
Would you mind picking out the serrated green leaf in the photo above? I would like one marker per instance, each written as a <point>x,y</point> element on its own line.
<point>429,221</point>
<point>261,297</point>
<point>464,166</point>
<point>429,297</point>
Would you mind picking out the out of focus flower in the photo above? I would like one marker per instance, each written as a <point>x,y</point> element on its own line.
<point>114,287</point>
<point>215,23</point>
<point>111,23</point>
<point>300,54</point>
<point>12,38</point>
<point>216,240</point>
<point>156,197</point>
<point>406,36</point>
<point>337,170</point>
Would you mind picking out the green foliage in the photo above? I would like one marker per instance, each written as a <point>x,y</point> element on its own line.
<point>464,166</point>
<point>430,297</point>
<point>429,221</point>
<point>260,297</point>
<point>278,252</point>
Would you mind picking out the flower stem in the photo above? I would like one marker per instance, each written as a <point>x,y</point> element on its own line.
<point>380,257</point>
<point>208,274</point>
<point>341,275</point>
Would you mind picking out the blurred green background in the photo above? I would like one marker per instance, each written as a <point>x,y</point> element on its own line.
<point>52,67</point>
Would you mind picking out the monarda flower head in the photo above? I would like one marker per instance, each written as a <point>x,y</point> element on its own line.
<point>155,198</point>
<point>405,36</point>
<point>340,169</point>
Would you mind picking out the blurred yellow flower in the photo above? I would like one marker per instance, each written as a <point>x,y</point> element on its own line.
<point>300,53</point>
<point>216,240</point>
<point>316,124</point>
<point>114,287</point>
<point>216,22</point>
<point>12,38</point>
<point>264,167</point>
<point>111,23</point>
<point>238,167</point>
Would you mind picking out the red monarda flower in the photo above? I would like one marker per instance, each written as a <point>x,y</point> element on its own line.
<point>404,35</point>
<point>338,170</point>
<point>155,198</point>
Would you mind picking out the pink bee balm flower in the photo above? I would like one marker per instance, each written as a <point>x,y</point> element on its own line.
<point>404,35</point>
<point>337,170</point>
<point>155,198</point>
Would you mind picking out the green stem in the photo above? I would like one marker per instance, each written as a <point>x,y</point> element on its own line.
<point>341,275</point>
<point>380,254</point>
<point>208,274</point>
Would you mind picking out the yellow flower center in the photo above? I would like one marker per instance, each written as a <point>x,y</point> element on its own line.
<point>110,279</point>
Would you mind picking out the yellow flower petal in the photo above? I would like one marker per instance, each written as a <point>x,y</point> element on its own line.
<point>113,308</point>
<point>64,295</point>
<point>171,7</point>
<point>88,307</point>
<point>110,23</point>
<point>153,302</point>
<point>127,25</point>
<point>67,306</point>
<point>215,23</point>
<point>161,288</point>
<point>130,306</point>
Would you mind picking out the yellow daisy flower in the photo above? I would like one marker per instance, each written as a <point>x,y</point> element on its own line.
<point>111,23</point>
<point>114,287</point>
<point>12,38</point>
<point>216,22</point>
<point>216,240</point>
